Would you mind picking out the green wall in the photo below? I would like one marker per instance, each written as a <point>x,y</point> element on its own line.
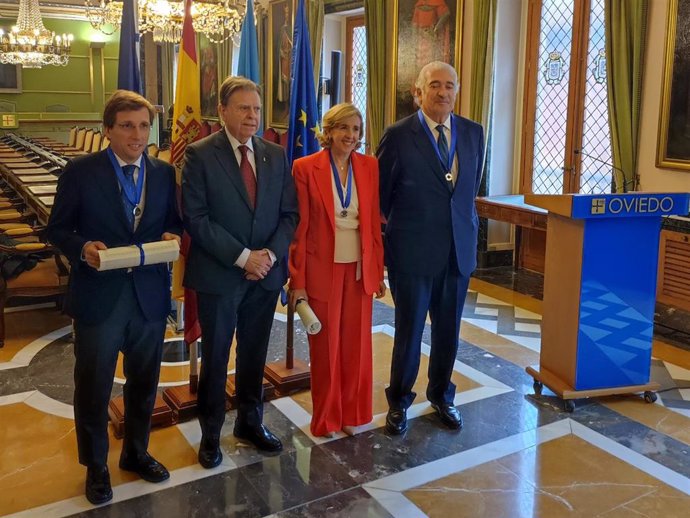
<point>72,85</point>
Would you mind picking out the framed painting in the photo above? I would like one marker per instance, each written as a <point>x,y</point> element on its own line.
<point>423,31</point>
<point>208,78</point>
<point>280,25</point>
<point>11,79</point>
<point>673,149</point>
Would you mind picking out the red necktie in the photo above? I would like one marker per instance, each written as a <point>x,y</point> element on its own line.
<point>248,175</point>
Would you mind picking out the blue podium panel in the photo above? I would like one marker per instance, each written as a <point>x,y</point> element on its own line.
<point>631,205</point>
<point>617,298</point>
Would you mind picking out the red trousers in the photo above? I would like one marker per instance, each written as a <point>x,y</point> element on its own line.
<point>341,364</point>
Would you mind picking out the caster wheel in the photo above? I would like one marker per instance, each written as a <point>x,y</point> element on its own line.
<point>568,405</point>
<point>649,396</point>
<point>538,386</point>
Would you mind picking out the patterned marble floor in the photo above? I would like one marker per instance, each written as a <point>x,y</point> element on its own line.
<point>517,456</point>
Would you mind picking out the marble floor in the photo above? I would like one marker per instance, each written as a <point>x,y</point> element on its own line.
<point>518,455</point>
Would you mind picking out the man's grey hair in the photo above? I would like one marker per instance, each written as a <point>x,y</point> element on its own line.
<point>426,71</point>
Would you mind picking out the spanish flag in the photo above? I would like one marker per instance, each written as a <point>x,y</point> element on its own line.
<point>186,128</point>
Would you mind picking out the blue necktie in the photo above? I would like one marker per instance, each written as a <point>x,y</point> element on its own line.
<point>442,146</point>
<point>128,171</point>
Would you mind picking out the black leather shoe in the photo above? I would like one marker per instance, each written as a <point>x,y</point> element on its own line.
<point>98,490</point>
<point>449,415</point>
<point>396,421</point>
<point>145,466</point>
<point>260,437</point>
<point>209,454</point>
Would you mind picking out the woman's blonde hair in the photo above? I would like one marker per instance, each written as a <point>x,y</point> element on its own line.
<point>336,115</point>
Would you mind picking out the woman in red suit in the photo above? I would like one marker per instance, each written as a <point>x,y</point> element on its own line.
<point>336,263</point>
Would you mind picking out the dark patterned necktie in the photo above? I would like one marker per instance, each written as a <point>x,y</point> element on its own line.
<point>248,175</point>
<point>442,145</point>
<point>128,171</point>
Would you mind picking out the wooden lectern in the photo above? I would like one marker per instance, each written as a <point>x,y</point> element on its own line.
<point>599,292</point>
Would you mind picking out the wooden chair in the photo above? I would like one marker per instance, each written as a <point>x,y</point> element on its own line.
<point>88,139</point>
<point>164,154</point>
<point>47,279</point>
<point>71,142</point>
<point>152,150</point>
<point>79,141</point>
<point>105,143</point>
<point>96,142</point>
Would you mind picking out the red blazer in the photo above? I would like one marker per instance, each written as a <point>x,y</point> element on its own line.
<point>313,248</point>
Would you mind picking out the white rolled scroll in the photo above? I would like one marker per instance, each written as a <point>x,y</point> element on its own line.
<point>139,255</point>
<point>307,316</point>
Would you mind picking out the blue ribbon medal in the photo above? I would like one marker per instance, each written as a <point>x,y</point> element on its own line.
<point>453,142</point>
<point>344,200</point>
<point>132,195</point>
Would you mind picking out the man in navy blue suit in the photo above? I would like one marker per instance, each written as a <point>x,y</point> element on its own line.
<point>240,209</point>
<point>430,165</point>
<point>112,198</point>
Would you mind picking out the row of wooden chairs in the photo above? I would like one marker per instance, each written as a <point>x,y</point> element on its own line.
<point>87,140</point>
<point>22,242</point>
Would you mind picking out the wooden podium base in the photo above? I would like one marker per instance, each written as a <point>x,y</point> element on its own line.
<point>182,402</point>
<point>230,392</point>
<point>287,380</point>
<point>162,415</point>
<point>567,393</point>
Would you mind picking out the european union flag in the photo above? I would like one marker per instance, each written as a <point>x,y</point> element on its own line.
<point>302,122</point>
<point>128,77</point>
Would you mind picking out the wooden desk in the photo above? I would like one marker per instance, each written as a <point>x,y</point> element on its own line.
<point>530,227</point>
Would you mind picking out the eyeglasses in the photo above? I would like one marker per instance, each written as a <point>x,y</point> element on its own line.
<point>129,127</point>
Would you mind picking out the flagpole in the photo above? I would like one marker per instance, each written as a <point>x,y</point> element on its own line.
<point>294,374</point>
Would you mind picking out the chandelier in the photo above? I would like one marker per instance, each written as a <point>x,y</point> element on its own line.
<point>218,20</point>
<point>30,44</point>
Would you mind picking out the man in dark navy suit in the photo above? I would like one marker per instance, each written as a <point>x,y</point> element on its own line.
<point>240,209</point>
<point>112,198</point>
<point>431,165</point>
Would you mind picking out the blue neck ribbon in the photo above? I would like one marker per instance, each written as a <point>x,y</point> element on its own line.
<point>344,200</point>
<point>453,141</point>
<point>133,195</point>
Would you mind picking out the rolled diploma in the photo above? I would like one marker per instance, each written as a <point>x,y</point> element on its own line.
<point>130,256</point>
<point>308,318</point>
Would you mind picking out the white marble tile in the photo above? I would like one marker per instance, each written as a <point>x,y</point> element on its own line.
<point>19,397</point>
<point>487,325</point>
<point>48,405</point>
<point>527,328</point>
<point>491,312</point>
<point>526,341</point>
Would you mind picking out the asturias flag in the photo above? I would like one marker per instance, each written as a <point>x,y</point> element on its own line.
<point>302,122</point>
<point>185,129</point>
<point>128,77</point>
<point>248,63</point>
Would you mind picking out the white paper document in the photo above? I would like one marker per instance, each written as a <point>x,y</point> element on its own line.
<point>133,256</point>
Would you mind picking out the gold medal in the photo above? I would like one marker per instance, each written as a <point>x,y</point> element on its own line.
<point>449,177</point>
<point>343,213</point>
